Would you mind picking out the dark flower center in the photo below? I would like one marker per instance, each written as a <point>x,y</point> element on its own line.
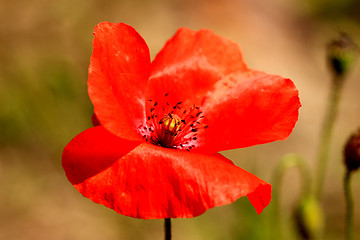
<point>172,126</point>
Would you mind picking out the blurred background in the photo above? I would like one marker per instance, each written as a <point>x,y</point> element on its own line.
<point>45,47</point>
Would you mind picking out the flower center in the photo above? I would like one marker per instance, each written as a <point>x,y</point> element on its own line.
<point>172,126</point>
<point>171,122</point>
<point>169,128</point>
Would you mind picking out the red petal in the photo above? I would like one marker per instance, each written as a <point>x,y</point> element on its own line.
<point>92,151</point>
<point>119,70</point>
<point>155,182</point>
<point>190,64</point>
<point>248,109</point>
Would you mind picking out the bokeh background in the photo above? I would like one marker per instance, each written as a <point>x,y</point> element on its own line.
<point>45,47</point>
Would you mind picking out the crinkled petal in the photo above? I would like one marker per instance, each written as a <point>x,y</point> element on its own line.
<point>91,152</point>
<point>155,182</point>
<point>119,69</point>
<point>247,109</point>
<point>190,64</point>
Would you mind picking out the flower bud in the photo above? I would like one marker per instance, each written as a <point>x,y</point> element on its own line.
<point>341,54</point>
<point>352,152</point>
<point>309,218</point>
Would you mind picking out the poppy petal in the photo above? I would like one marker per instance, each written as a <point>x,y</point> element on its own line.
<point>154,182</point>
<point>93,150</point>
<point>248,109</point>
<point>119,69</point>
<point>190,64</point>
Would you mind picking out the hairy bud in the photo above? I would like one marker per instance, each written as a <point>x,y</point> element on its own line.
<point>352,152</point>
<point>341,54</point>
<point>309,218</point>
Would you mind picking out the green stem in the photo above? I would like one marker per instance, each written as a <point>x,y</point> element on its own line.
<point>349,207</point>
<point>326,134</point>
<point>167,228</point>
<point>288,161</point>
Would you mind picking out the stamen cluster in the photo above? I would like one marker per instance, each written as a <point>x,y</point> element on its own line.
<point>172,126</point>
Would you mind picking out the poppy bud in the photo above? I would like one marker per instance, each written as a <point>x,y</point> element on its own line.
<point>341,54</point>
<point>352,152</point>
<point>309,218</point>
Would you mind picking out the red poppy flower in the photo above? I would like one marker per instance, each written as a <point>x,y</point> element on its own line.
<point>163,122</point>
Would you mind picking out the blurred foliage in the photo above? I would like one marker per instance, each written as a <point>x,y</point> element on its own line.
<point>40,104</point>
<point>333,10</point>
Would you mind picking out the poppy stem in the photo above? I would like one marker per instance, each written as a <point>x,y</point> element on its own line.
<point>288,161</point>
<point>326,133</point>
<point>167,228</point>
<point>349,207</point>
